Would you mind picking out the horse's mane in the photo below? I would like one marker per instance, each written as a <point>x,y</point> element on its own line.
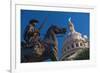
<point>49,30</point>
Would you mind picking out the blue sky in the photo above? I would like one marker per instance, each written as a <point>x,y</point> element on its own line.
<point>80,20</point>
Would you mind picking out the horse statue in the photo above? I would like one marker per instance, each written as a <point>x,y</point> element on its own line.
<point>46,49</point>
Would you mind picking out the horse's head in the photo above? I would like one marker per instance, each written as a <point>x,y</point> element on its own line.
<point>58,30</point>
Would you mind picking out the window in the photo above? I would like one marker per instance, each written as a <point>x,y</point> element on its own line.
<point>64,50</point>
<point>68,47</point>
<point>72,45</point>
<point>81,44</point>
<point>77,45</point>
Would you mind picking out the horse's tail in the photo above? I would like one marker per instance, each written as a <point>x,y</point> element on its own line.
<point>53,53</point>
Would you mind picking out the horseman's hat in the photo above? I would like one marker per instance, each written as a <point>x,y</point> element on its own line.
<point>33,21</point>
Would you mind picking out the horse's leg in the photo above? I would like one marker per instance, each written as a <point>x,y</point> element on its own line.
<point>54,53</point>
<point>55,49</point>
<point>53,58</point>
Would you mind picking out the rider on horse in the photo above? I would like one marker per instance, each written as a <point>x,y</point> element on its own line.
<point>31,34</point>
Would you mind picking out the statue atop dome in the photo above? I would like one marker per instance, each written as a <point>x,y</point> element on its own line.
<point>71,26</point>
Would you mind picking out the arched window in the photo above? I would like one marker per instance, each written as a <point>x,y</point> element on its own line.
<point>77,45</point>
<point>65,50</point>
<point>68,47</point>
<point>72,45</point>
<point>81,44</point>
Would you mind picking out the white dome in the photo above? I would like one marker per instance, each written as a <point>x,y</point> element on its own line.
<point>73,41</point>
<point>73,36</point>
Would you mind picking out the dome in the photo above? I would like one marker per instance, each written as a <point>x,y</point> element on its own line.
<point>73,35</point>
<point>73,41</point>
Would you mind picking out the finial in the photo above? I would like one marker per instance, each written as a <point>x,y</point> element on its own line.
<point>69,19</point>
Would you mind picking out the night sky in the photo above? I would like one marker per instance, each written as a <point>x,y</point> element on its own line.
<point>80,20</point>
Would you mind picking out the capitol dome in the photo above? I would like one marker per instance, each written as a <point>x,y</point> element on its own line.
<point>73,41</point>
